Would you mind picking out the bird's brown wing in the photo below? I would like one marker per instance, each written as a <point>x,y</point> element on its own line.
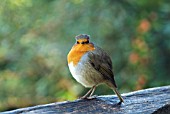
<point>101,62</point>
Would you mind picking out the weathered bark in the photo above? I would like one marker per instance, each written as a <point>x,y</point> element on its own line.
<point>153,100</point>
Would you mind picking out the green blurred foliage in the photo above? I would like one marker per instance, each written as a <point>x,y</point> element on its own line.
<point>36,35</point>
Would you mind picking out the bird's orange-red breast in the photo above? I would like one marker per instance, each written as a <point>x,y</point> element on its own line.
<point>90,65</point>
<point>79,50</point>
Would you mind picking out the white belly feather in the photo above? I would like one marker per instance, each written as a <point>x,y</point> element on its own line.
<point>78,75</point>
<point>85,74</point>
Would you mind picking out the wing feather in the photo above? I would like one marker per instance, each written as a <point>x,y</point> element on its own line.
<point>101,61</point>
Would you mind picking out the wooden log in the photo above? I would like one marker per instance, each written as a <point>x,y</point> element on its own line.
<point>153,100</point>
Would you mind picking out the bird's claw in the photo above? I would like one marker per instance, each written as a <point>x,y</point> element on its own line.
<point>88,98</point>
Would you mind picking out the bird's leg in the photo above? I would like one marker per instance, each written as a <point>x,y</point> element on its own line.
<point>89,92</point>
<point>94,88</point>
<point>86,95</point>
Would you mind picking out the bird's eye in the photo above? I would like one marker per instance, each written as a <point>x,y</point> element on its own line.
<point>78,42</point>
<point>87,42</point>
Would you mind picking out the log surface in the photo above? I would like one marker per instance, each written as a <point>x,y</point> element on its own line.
<point>153,100</point>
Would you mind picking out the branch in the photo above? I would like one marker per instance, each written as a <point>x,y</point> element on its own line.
<point>153,100</point>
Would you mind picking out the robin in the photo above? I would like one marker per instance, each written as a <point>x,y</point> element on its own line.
<point>91,66</point>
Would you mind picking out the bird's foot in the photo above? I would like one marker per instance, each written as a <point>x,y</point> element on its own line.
<point>88,98</point>
<point>83,97</point>
<point>93,97</point>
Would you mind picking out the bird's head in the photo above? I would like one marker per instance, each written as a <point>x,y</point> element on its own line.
<point>81,47</point>
<point>82,39</point>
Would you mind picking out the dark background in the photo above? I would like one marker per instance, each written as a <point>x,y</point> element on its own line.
<point>36,36</point>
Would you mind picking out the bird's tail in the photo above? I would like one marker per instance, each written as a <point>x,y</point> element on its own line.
<point>114,88</point>
<point>118,94</point>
